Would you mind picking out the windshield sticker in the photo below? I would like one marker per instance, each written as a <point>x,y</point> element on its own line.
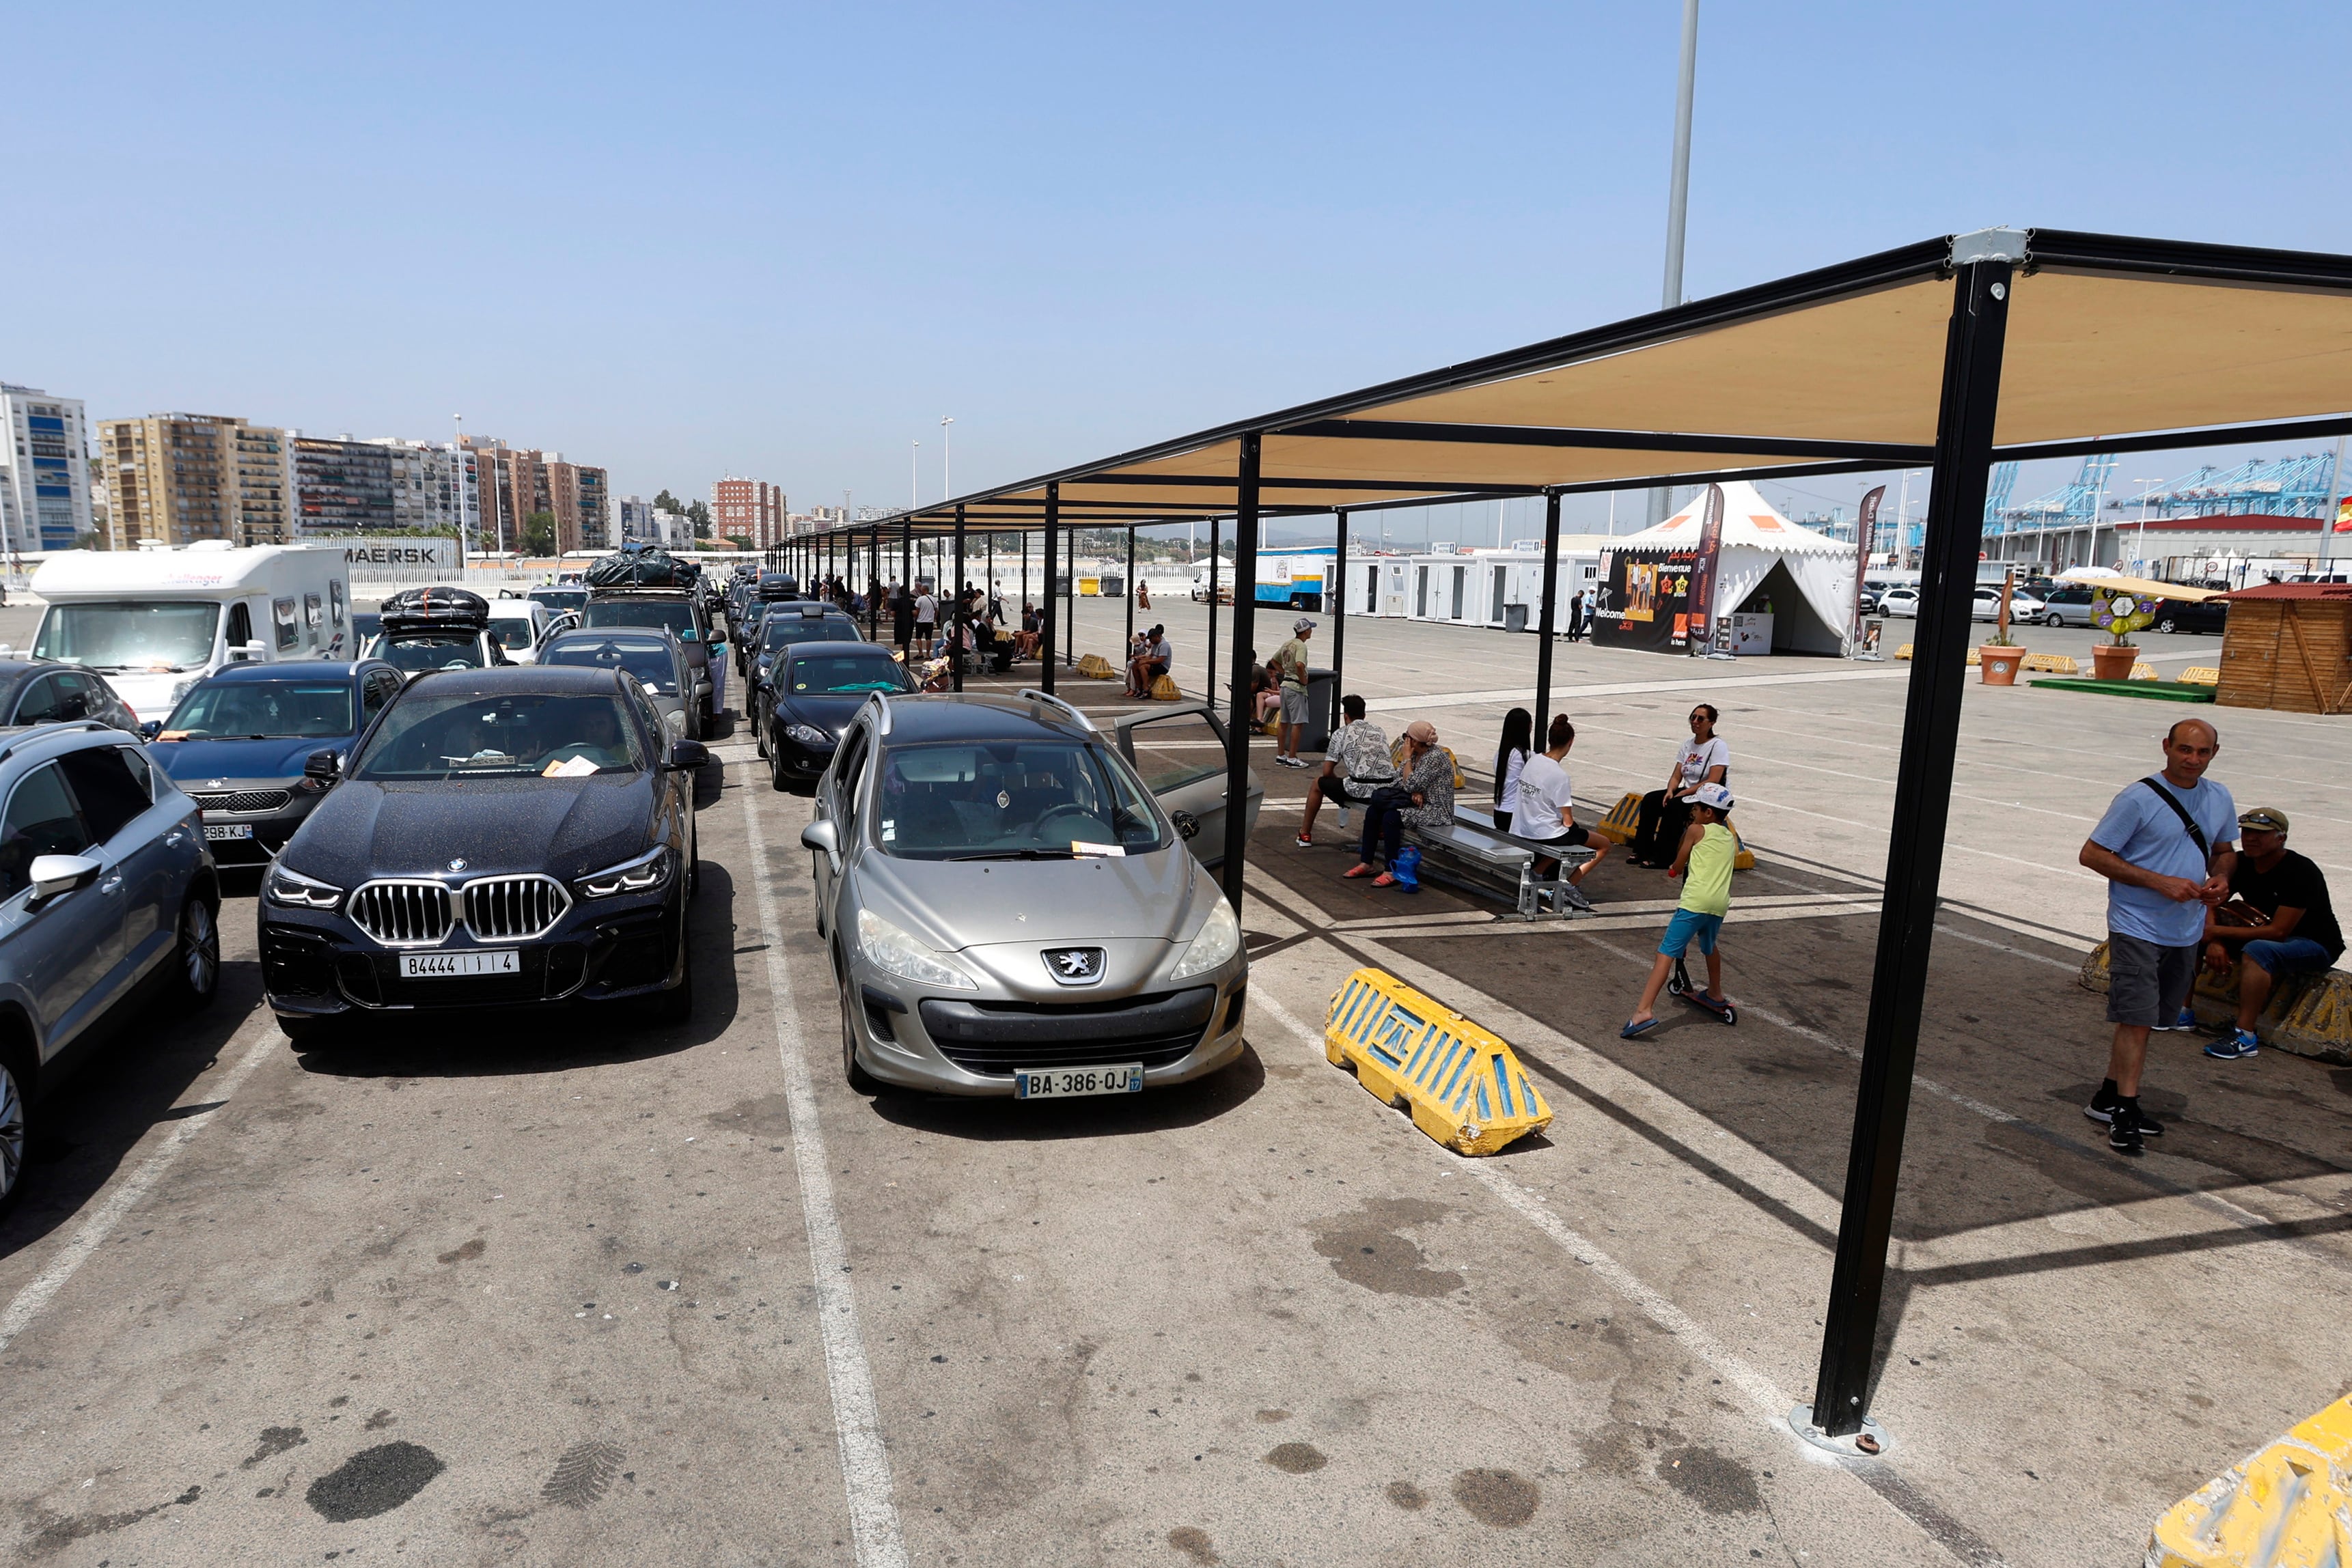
<point>574,766</point>
<point>1080,848</point>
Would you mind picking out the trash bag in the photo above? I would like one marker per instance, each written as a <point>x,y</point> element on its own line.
<point>639,568</point>
<point>435,606</point>
<point>1406,868</point>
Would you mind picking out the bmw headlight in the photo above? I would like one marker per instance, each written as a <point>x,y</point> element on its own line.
<point>1219,939</point>
<point>294,891</point>
<point>887,947</point>
<point>642,874</point>
<point>808,734</point>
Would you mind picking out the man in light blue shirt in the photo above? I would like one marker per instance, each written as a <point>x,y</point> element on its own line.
<point>2166,847</point>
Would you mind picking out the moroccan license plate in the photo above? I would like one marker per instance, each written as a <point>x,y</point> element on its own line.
<point>449,966</point>
<point>214,832</point>
<point>1067,1083</point>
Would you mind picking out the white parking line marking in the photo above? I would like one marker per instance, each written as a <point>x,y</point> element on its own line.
<point>28,1301</point>
<point>856,1418</point>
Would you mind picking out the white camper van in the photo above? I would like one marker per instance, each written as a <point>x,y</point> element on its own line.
<point>156,621</point>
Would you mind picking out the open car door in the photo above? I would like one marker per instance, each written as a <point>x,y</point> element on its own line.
<point>1179,754</point>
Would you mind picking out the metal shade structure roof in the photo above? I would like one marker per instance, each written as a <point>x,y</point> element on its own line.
<point>2112,344</point>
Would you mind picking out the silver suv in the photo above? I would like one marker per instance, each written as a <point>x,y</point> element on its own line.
<point>1011,911</point>
<point>104,884</point>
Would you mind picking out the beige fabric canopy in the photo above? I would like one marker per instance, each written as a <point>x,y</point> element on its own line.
<point>2111,343</point>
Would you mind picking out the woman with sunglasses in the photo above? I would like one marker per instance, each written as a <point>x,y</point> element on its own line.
<point>1704,759</point>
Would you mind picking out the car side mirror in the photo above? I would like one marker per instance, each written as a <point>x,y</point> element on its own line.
<point>823,836</point>
<point>151,729</point>
<point>54,874</point>
<point>686,756</point>
<point>323,766</point>
<point>1187,824</point>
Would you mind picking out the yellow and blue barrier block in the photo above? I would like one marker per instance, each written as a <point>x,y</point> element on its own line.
<point>2285,1506</point>
<point>1460,1082</point>
<point>1625,819</point>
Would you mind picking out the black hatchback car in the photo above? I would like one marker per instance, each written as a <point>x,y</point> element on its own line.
<point>814,689</point>
<point>512,835</point>
<point>42,691</point>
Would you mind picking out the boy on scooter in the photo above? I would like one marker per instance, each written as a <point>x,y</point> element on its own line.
<point>1704,861</point>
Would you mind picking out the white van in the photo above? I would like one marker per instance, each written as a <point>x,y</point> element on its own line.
<point>156,621</point>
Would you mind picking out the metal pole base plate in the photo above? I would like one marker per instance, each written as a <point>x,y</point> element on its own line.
<point>1801,1421</point>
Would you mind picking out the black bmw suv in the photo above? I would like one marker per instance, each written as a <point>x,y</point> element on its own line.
<point>512,835</point>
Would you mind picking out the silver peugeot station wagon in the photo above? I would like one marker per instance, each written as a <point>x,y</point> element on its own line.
<point>1009,910</point>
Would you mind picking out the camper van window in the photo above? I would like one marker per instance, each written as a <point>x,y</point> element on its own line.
<point>335,599</point>
<point>146,635</point>
<point>240,626</point>
<point>289,631</point>
<point>314,615</point>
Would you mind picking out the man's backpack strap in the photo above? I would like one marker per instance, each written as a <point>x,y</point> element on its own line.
<point>2196,833</point>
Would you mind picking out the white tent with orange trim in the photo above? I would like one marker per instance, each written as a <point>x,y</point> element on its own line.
<point>1806,577</point>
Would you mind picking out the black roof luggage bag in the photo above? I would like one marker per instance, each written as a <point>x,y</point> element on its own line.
<point>639,568</point>
<point>413,608</point>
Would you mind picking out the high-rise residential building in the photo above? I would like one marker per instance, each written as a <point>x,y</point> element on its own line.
<point>44,471</point>
<point>748,511</point>
<point>383,484</point>
<point>518,482</point>
<point>673,530</point>
<point>174,478</point>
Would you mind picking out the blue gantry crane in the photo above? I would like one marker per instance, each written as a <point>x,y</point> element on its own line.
<point>2003,480</point>
<point>2072,505</point>
<point>2298,487</point>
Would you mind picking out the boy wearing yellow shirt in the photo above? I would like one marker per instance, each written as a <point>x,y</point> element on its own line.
<point>1703,860</point>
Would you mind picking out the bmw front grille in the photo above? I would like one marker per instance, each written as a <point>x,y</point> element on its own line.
<point>513,908</point>
<point>402,913</point>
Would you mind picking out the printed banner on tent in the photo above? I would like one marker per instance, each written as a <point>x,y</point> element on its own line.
<point>1647,603</point>
<point>1865,541</point>
<point>1704,569</point>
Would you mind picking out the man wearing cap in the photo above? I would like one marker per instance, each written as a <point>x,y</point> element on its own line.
<point>2166,847</point>
<point>2295,932</point>
<point>1288,665</point>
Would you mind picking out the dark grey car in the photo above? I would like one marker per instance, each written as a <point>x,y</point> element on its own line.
<point>1009,910</point>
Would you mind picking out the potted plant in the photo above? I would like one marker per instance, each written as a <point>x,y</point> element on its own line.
<point>2119,615</point>
<point>1998,661</point>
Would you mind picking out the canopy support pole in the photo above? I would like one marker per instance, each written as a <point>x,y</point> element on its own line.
<point>955,633</point>
<point>1129,644</point>
<point>1238,704</point>
<point>1208,670</point>
<point>1045,621</point>
<point>1923,798</point>
<point>1544,625</point>
<point>1339,609</point>
<point>1070,588</point>
<point>873,585</point>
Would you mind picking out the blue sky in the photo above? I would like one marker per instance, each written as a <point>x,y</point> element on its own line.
<point>784,240</point>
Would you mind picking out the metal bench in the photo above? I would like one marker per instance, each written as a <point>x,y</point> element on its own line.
<point>1471,852</point>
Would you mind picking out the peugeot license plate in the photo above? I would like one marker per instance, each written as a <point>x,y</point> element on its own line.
<point>448,965</point>
<point>214,832</point>
<point>1066,1082</point>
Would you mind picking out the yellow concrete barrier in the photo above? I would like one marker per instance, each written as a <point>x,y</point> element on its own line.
<point>1625,819</point>
<point>2309,1015</point>
<point>1095,667</point>
<point>1460,1084</point>
<point>2052,664</point>
<point>1164,690</point>
<point>2285,1506</point>
<point>2144,673</point>
<point>1903,652</point>
<point>2201,675</point>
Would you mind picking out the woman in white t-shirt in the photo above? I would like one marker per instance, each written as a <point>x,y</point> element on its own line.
<point>1704,759</point>
<point>1518,736</point>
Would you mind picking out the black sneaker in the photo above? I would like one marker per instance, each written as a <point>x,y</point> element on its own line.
<point>2124,1131</point>
<point>2102,1108</point>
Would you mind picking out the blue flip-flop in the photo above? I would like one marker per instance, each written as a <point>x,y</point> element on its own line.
<point>1635,1030</point>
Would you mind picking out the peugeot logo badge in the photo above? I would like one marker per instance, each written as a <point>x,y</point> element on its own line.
<point>457,865</point>
<point>1075,965</point>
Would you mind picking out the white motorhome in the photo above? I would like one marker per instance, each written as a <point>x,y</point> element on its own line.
<point>156,621</point>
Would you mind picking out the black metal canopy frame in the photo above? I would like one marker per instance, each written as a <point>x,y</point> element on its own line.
<point>2003,344</point>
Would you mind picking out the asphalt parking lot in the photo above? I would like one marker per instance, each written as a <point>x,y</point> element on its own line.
<point>566,1290</point>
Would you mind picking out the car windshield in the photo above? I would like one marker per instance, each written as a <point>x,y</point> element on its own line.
<point>133,634</point>
<point>260,710</point>
<point>1010,801</point>
<point>414,653</point>
<point>870,668</point>
<point>649,662</point>
<point>560,599</point>
<point>675,614</point>
<point>781,630</point>
<point>564,735</point>
<point>513,632</point>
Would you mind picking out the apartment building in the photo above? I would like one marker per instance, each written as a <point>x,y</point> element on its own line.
<point>381,485</point>
<point>751,512</point>
<point>44,471</point>
<point>517,482</point>
<point>174,478</point>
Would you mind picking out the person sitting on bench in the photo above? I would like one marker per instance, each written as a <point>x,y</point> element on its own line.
<point>1424,796</point>
<point>1704,759</point>
<point>1032,626</point>
<point>1356,766</point>
<point>1541,812</point>
<point>2280,920</point>
<point>1150,662</point>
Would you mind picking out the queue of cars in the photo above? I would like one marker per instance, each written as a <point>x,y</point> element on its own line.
<point>2049,602</point>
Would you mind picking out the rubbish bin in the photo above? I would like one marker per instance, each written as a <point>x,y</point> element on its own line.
<point>1114,585</point>
<point>1514,617</point>
<point>1322,688</point>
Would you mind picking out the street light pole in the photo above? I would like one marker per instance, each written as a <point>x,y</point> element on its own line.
<point>945,489</point>
<point>457,489</point>
<point>1678,201</point>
